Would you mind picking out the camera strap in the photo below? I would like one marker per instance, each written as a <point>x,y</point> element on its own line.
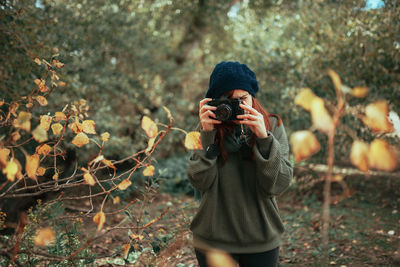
<point>243,136</point>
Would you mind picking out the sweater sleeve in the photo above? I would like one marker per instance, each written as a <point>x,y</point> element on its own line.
<point>274,171</point>
<point>201,170</point>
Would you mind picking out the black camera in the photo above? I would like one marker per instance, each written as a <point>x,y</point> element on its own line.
<point>227,108</point>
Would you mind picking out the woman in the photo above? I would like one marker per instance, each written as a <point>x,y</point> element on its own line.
<point>242,167</point>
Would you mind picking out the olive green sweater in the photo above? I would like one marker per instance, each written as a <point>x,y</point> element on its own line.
<point>238,212</point>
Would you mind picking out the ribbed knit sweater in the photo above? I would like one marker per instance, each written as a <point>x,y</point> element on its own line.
<point>238,212</point>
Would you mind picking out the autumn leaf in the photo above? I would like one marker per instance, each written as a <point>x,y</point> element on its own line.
<point>80,140</point>
<point>43,149</point>
<point>44,237</point>
<point>31,165</point>
<point>89,178</point>
<point>335,79</point>
<point>76,127</point>
<point>88,126</point>
<point>11,169</point>
<point>62,84</point>
<point>58,64</point>
<point>359,155</point>
<point>359,92</point>
<point>382,156</point>
<point>304,144</point>
<point>124,184</point>
<point>377,117</point>
<point>59,116</point>
<point>116,200</point>
<point>150,127</point>
<point>105,137</point>
<point>99,219</point>
<point>126,248</point>
<point>193,141</point>
<point>4,152</point>
<point>320,116</point>
<point>1,102</point>
<point>57,128</point>
<point>150,145</point>
<point>23,121</point>
<point>45,121</point>
<point>216,258</point>
<point>55,176</point>
<point>15,136</point>
<point>40,171</point>
<point>39,134</point>
<point>305,98</point>
<point>149,171</point>
<point>41,100</point>
<point>13,108</point>
<point>37,61</point>
<point>108,163</point>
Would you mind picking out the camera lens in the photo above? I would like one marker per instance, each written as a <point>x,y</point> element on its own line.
<point>223,112</point>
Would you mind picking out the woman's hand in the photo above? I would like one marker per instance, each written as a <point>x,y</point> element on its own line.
<point>205,113</point>
<point>254,120</point>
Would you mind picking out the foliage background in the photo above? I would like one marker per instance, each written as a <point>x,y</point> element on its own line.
<point>128,58</point>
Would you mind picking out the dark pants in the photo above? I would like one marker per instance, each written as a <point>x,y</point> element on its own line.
<point>263,259</point>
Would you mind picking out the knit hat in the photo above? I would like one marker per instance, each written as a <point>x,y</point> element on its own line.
<point>228,76</point>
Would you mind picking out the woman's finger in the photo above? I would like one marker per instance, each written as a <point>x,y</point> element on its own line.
<point>207,114</point>
<point>247,116</point>
<point>250,109</point>
<point>212,121</point>
<point>250,123</point>
<point>204,101</point>
<point>207,107</point>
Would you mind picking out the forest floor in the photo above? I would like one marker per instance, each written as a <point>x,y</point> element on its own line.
<point>364,229</point>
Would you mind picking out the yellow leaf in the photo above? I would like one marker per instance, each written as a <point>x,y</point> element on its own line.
<point>80,140</point>
<point>4,152</point>
<point>359,155</point>
<point>41,100</point>
<point>89,178</point>
<point>304,144</point>
<point>105,137</point>
<point>97,159</point>
<point>59,116</point>
<point>76,127</point>
<point>45,121</point>
<point>55,176</point>
<point>108,163</point>
<point>43,149</point>
<point>29,105</point>
<point>216,258</point>
<point>57,128</point>
<point>305,98</point>
<point>40,171</point>
<point>39,82</point>
<point>382,156</point>
<point>134,236</point>
<point>150,127</point>
<point>337,178</point>
<point>1,102</point>
<point>336,80</point>
<point>44,237</point>
<point>99,219</point>
<point>13,108</point>
<point>15,136</point>
<point>149,171</point>
<point>193,141</point>
<point>11,169</point>
<point>126,247</point>
<point>150,145</point>
<point>31,165</point>
<point>58,64</point>
<point>37,61</point>
<point>168,112</point>
<point>377,117</point>
<point>320,116</point>
<point>124,184</point>
<point>116,200</point>
<point>360,92</point>
<point>62,84</point>
<point>39,134</point>
<point>23,121</point>
<point>88,126</point>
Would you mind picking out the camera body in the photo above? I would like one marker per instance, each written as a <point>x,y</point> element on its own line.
<point>227,108</point>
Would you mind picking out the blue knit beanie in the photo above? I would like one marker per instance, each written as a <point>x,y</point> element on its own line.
<point>228,76</point>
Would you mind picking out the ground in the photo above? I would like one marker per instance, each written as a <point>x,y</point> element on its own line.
<point>364,229</point>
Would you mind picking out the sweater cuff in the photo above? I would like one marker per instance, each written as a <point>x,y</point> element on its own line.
<point>207,137</point>
<point>264,145</point>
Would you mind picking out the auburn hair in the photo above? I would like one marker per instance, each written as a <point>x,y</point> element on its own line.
<point>228,127</point>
